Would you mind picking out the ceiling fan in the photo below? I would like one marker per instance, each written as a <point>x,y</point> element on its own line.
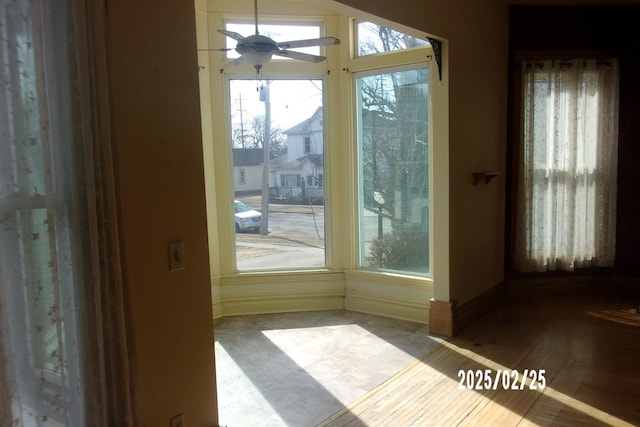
<point>257,49</point>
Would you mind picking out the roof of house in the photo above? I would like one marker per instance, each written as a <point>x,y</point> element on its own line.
<point>283,163</point>
<point>316,159</point>
<point>306,125</point>
<point>247,156</point>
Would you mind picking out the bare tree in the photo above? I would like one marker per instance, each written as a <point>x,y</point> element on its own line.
<point>386,40</point>
<point>252,136</point>
<point>395,132</point>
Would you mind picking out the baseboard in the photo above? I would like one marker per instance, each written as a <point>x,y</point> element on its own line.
<point>390,295</point>
<point>283,303</point>
<point>625,286</point>
<point>396,296</point>
<point>216,297</point>
<point>556,286</point>
<point>277,292</point>
<point>389,307</point>
<point>217,308</point>
<point>477,306</point>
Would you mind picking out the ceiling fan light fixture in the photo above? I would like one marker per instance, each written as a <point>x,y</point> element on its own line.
<point>257,58</point>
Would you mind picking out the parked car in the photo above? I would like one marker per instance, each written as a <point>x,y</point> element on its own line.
<point>247,219</point>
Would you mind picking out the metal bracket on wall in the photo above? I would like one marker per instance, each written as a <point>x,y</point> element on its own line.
<point>484,176</point>
<point>437,52</point>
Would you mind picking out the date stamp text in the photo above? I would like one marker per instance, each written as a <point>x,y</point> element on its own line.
<point>489,379</point>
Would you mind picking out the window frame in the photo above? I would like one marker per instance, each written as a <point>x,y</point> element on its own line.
<point>302,75</point>
<point>358,201</point>
<point>438,150</point>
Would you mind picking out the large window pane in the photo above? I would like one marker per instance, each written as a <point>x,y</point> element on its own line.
<point>286,229</point>
<point>393,147</point>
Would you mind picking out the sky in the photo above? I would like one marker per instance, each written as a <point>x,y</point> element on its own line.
<point>292,101</point>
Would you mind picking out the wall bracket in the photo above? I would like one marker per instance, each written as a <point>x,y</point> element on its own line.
<point>484,176</point>
<point>437,52</point>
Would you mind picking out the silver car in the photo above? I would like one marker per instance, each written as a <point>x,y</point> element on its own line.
<point>247,219</point>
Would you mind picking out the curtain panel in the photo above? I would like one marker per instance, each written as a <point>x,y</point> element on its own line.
<point>566,214</point>
<point>65,350</point>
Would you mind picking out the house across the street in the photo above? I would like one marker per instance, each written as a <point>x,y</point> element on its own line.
<point>247,170</point>
<point>299,173</point>
<point>296,176</point>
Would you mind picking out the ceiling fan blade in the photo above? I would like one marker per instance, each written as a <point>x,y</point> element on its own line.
<point>235,62</point>
<point>212,49</point>
<point>323,41</point>
<point>299,55</point>
<point>232,34</point>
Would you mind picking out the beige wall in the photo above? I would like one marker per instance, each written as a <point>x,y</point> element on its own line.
<point>477,38</point>
<point>156,120</point>
<point>154,88</point>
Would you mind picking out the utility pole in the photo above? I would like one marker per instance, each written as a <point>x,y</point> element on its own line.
<point>241,123</point>
<point>266,148</point>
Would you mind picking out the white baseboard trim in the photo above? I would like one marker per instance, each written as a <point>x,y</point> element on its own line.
<point>281,303</point>
<point>388,307</point>
<point>391,295</point>
<point>278,292</point>
<point>216,297</point>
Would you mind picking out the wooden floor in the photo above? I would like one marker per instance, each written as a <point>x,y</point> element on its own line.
<point>588,347</point>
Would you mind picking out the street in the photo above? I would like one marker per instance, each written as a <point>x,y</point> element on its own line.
<point>297,225</point>
<point>295,239</point>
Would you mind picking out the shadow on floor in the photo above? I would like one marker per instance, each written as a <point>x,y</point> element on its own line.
<point>297,369</point>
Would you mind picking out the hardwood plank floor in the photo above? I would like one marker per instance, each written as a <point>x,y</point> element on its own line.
<point>588,347</point>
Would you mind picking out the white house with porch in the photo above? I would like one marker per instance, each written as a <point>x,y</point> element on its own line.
<point>299,173</point>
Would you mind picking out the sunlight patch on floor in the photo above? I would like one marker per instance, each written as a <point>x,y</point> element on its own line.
<point>547,391</point>
<point>341,358</point>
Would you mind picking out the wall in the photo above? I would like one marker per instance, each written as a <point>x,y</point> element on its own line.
<point>252,179</point>
<point>476,34</point>
<point>156,124</point>
<point>599,28</point>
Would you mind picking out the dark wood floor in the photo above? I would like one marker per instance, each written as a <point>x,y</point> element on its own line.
<point>588,347</point>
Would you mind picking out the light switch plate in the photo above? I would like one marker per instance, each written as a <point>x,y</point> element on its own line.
<point>176,255</point>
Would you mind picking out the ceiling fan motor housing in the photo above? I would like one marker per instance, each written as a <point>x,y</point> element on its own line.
<point>256,49</point>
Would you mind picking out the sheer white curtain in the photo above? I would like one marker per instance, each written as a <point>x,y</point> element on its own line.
<point>567,183</point>
<point>64,349</point>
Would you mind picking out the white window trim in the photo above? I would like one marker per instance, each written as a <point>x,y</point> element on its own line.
<point>328,285</point>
